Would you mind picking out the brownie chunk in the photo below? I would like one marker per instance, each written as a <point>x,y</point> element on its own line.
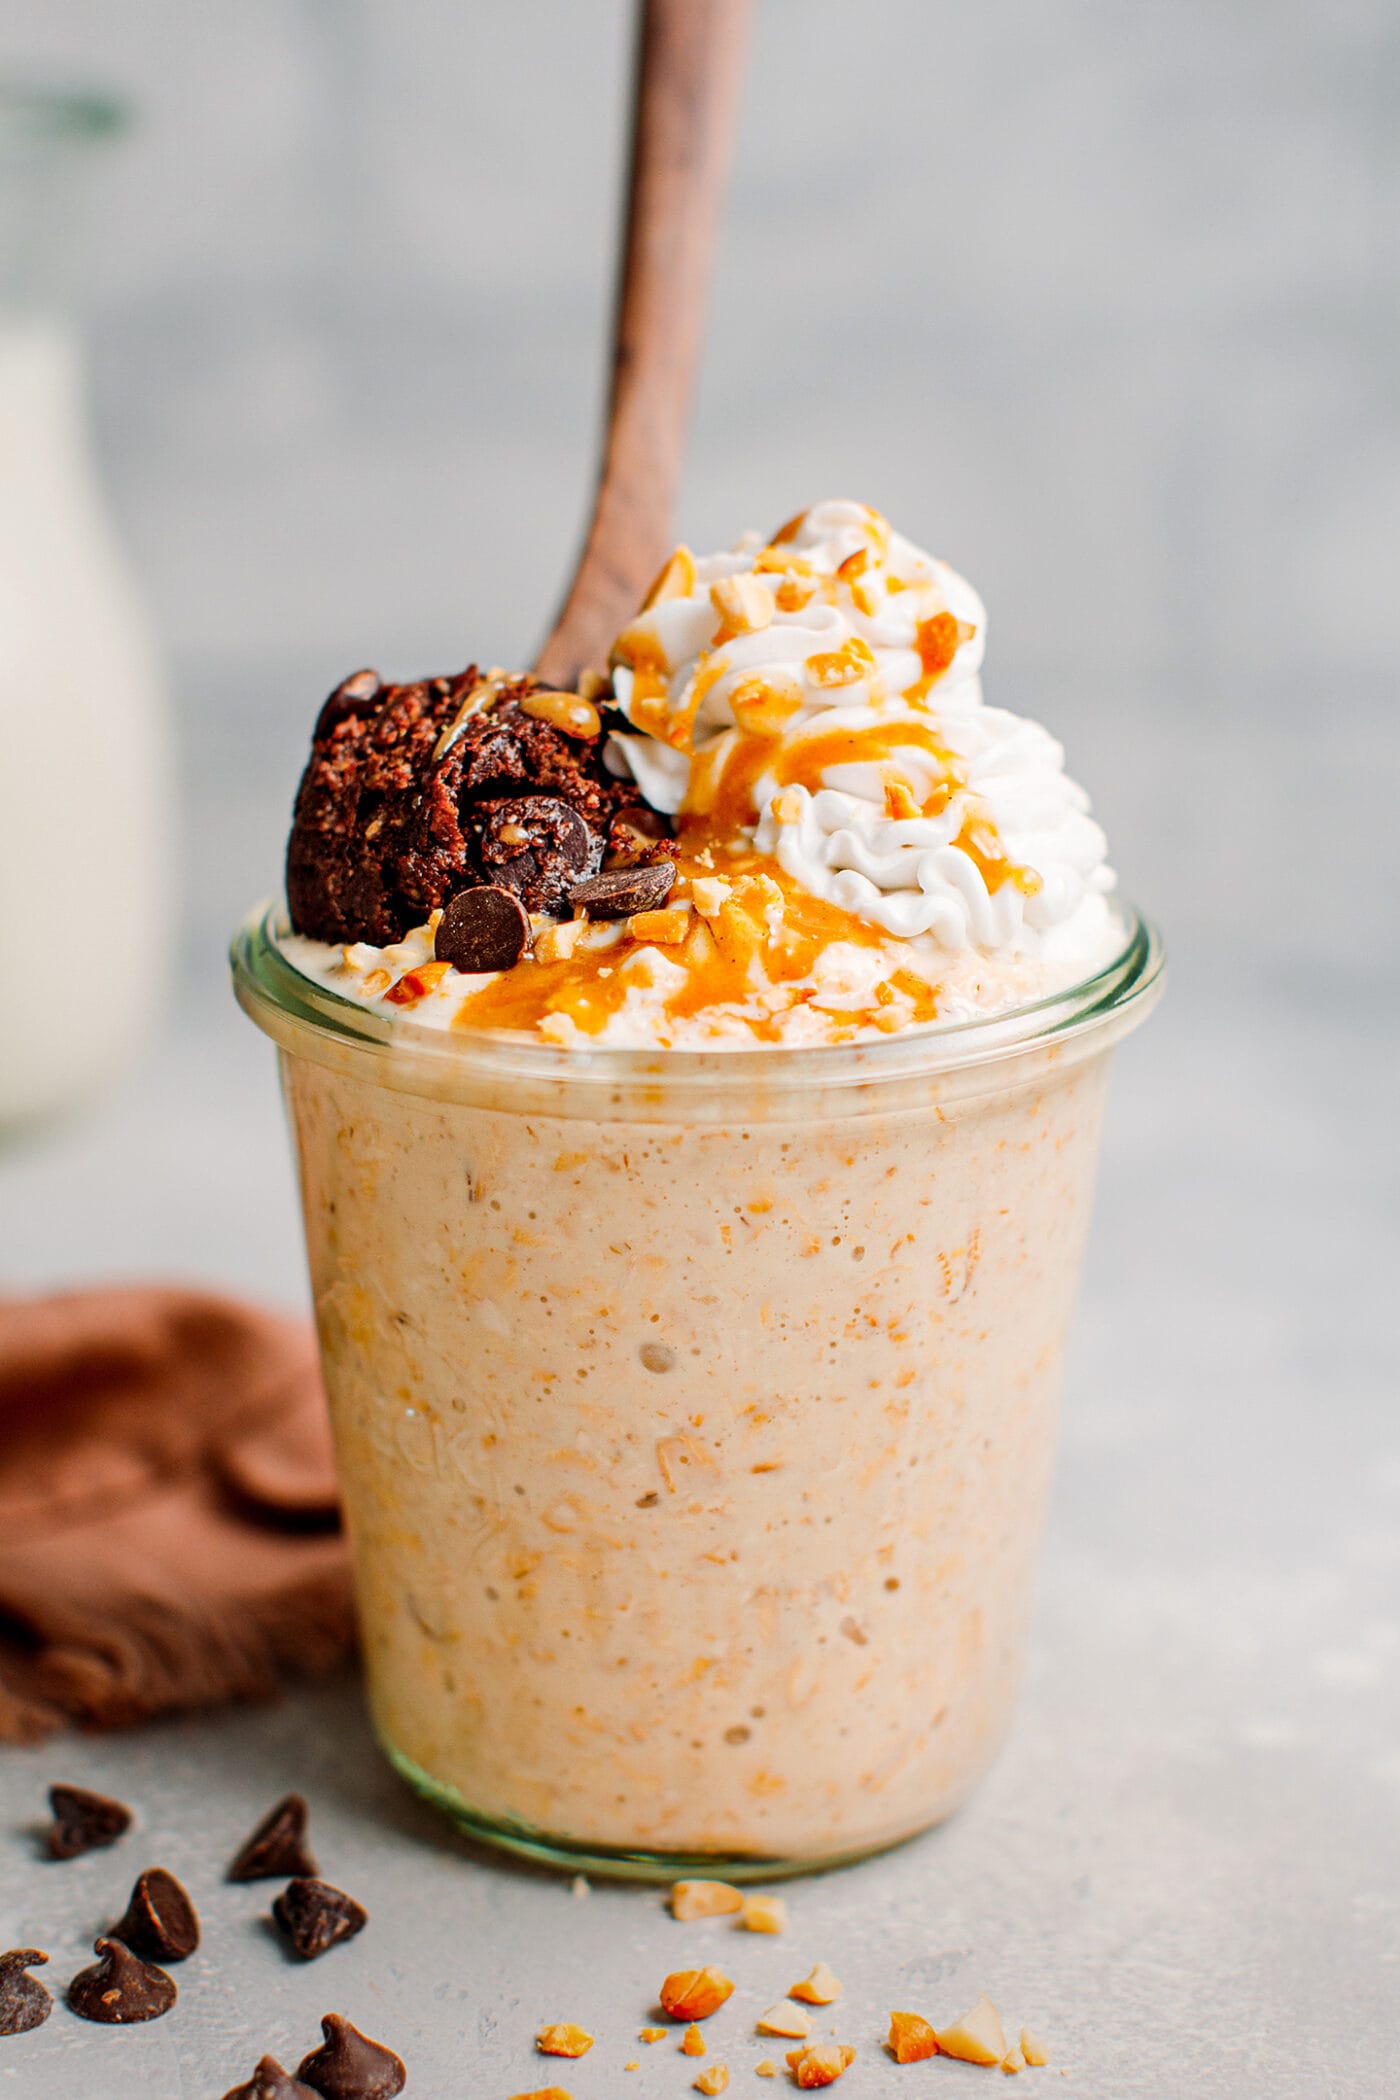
<point>416,792</point>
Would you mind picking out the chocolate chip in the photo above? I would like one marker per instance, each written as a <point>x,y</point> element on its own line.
<point>353,696</point>
<point>84,1822</point>
<point>160,1922</point>
<point>622,891</point>
<point>316,1916</point>
<point>24,2001</point>
<point>270,2082</point>
<point>349,2066</point>
<point>118,1990</point>
<point>633,836</point>
<point>537,846</point>
<point>482,929</point>
<point>278,1845</point>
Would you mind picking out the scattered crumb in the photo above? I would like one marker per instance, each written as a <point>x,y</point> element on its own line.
<point>693,2043</point>
<point>977,2038</point>
<point>787,2020</point>
<point>545,2092</point>
<point>715,2080</point>
<point>821,2063</point>
<point>633,2066</point>
<point>704,1899</point>
<point>693,1994</point>
<point>652,2034</point>
<point>911,2038</point>
<point>764,1914</point>
<point>579,1886</point>
<point>1032,2047</point>
<point>563,2039</point>
<point>820,1988</point>
<point>766,2069</point>
<point>1012,2062</point>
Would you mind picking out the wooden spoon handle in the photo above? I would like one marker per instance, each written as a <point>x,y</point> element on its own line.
<point>686,96</point>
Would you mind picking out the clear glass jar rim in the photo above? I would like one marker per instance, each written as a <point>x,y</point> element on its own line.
<point>309,1019</point>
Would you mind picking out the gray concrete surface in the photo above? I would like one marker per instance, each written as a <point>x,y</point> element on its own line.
<point>1101,303</point>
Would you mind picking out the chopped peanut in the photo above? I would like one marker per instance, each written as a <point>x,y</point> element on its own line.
<point>704,1899</point>
<point>565,711</point>
<point>415,984</point>
<point>820,1988</point>
<point>545,2092</point>
<point>693,1994</point>
<point>668,927</point>
<point>556,943</point>
<point>763,705</point>
<point>764,1914</point>
<point>1012,2062</point>
<point>715,2080</point>
<point>709,894</point>
<point>593,685</point>
<point>787,2020</point>
<point>821,2063</point>
<point>787,807</point>
<point>899,801</point>
<point>563,2039</point>
<point>976,2038</point>
<point>652,2034</point>
<point>676,580</point>
<point>911,2038</point>
<point>766,2069</point>
<point>743,604</point>
<point>1032,2048</point>
<point>693,2043</point>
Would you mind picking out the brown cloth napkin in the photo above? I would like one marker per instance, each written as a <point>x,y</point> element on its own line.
<point>169,1533</point>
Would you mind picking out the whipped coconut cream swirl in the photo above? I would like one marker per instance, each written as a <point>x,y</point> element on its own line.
<point>844,662</point>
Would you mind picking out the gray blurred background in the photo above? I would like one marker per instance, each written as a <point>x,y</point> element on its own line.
<point>1099,302</point>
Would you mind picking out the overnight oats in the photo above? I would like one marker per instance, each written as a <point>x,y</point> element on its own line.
<point>696,1082</point>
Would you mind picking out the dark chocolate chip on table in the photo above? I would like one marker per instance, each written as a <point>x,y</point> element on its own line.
<point>120,1989</point>
<point>83,1822</point>
<point>160,1922</point>
<point>622,891</point>
<point>24,2001</point>
<point>277,1847</point>
<point>270,2082</point>
<point>349,2066</point>
<point>315,1916</point>
<point>486,928</point>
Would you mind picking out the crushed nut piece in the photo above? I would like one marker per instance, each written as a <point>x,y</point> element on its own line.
<point>715,2080</point>
<point>820,1988</point>
<point>977,2038</point>
<point>787,807</point>
<point>1012,2062</point>
<point>899,801</point>
<point>652,2034</point>
<point>693,1994</point>
<point>787,2020</point>
<point>822,2063</point>
<point>565,711</point>
<point>1032,2047</point>
<point>593,685</point>
<point>557,942</point>
<point>704,1899</point>
<point>545,2092</point>
<point>764,1914</point>
<point>579,1886</point>
<point>766,2069</point>
<point>911,2038</point>
<point>693,2043</point>
<point>709,894</point>
<point>563,2039</point>
<point>668,927</point>
<point>676,580</point>
<point>744,606</point>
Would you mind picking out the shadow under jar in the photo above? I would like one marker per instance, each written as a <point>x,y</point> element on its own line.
<point>694,1411</point>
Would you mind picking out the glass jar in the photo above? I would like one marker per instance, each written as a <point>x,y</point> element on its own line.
<point>694,1411</point>
<point>85,794</point>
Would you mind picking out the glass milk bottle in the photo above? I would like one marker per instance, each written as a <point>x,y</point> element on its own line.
<point>84,751</point>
